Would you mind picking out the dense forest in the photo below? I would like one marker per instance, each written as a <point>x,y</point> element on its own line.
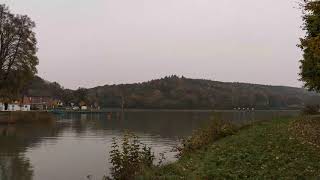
<point>175,92</point>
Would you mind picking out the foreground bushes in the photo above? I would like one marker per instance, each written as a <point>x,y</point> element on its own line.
<point>201,138</point>
<point>129,158</point>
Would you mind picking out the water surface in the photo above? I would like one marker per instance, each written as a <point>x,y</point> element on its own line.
<point>77,145</point>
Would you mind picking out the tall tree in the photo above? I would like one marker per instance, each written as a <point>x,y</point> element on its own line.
<point>310,44</point>
<point>81,95</point>
<point>18,49</point>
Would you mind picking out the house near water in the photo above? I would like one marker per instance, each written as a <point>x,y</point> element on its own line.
<point>84,108</point>
<point>31,102</point>
<point>28,103</point>
<point>15,106</point>
<point>42,102</point>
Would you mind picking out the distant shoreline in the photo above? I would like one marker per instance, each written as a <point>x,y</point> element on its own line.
<point>173,110</point>
<point>152,110</point>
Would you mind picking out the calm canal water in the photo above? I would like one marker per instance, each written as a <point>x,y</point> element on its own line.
<point>77,145</point>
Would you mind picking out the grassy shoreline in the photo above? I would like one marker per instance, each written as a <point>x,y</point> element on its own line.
<point>267,149</point>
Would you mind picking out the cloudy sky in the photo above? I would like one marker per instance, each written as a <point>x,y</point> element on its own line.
<point>95,42</point>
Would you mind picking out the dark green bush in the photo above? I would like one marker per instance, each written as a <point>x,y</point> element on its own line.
<point>129,158</point>
<point>201,138</point>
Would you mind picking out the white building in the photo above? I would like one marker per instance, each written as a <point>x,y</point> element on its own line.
<point>15,107</point>
<point>1,106</point>
<point>75,108</point>
<point>26,107</point>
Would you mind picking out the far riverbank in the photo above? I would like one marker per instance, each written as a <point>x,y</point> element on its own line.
<point>172,110</point>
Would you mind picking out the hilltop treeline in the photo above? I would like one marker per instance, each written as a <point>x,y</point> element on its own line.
<point>175,92</point>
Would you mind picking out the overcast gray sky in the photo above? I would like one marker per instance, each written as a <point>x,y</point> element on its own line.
<point>95,42</point>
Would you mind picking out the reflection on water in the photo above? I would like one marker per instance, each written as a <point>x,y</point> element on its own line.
<point>15,167</point>
<point>77,145</point>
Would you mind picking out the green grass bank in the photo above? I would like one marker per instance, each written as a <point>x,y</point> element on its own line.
<point>276,149</point>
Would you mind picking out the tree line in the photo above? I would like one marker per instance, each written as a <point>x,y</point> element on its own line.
<point>173,92</point>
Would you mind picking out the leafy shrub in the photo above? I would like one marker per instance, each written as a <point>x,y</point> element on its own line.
<point>310,109</point>
<point>202,137</point>
<point>129,158</point>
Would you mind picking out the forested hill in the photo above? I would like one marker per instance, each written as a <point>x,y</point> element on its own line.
<point>175,92</point>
